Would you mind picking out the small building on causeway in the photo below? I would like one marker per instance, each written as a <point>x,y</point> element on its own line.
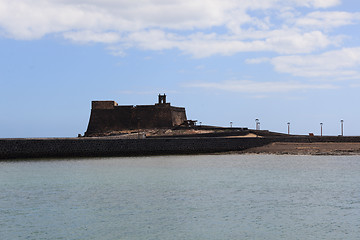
<point>108,116</point>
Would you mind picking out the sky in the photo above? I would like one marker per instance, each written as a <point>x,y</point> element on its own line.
<point>278,61</point>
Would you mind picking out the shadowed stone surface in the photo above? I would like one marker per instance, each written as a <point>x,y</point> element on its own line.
<point>108,116</point>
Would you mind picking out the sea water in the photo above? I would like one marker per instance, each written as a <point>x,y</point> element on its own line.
<point>182,197</point>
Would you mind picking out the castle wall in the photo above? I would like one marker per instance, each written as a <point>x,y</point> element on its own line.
<point>178,116</point>
<point>103,104</point>
<point>105,118</point>
<point>157,116</point>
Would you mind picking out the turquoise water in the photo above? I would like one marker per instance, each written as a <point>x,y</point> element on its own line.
<point>182,197</point>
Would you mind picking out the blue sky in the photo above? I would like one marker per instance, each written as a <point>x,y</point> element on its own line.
<point>294,61</point>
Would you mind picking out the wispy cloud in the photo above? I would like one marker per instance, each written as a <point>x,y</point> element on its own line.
<point>150,92</point>
<point>338,64</point>
<point>246,86</point>
<point>332,65</point>
<point>88,36</point>
<point>257,60</point>
<point>328,20</point>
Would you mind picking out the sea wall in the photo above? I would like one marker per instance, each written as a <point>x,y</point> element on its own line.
<point>98,147</point>
<point>102,147</point>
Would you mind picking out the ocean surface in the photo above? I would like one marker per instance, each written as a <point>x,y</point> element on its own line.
<point>182,197</point>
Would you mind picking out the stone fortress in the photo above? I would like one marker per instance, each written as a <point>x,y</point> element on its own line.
<point>162,129</point>
<point>108,116</point>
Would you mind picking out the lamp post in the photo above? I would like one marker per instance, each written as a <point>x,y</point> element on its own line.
<point>257,124</point>
<point>321,124</point>
<point>288,124</point>
<point>342,127</point>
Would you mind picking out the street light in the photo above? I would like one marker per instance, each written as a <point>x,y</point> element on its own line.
<point>257,124</point>
<point>288,128</point>
<point>321,124</point>
<point>342,127</point>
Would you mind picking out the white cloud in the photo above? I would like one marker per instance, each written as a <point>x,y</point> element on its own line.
<point>326,20</point>
<point>88,36</point>
<point>204,45</point>
<point>117,50</point>
<point>153,39</point>
<point>186,25</point>
<point>319,3</point>
<point>246,86</point>
<point>257,60</point>
<point>338,64</point>
<point>299,43</point>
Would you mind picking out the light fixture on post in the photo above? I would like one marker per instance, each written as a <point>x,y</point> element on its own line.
<point>288,124</point>
<point>257,124</point>
<point>342,127</point>
<point>321,125</point>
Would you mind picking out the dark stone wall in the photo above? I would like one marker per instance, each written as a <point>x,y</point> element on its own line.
<point>102,147</point>
<point>178,116</point>
<point>158,116</point>
<point>103,104</point>
<point>134,117</point>
<point>105,120</point>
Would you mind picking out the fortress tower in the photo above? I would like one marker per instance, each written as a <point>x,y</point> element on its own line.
<point>108,116</point>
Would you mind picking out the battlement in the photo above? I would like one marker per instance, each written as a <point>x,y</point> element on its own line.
<point>103,104</point>
<point>162,101</point>
<point>108,116</point>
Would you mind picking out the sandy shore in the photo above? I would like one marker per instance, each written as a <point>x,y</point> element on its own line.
<point>320,148</point>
